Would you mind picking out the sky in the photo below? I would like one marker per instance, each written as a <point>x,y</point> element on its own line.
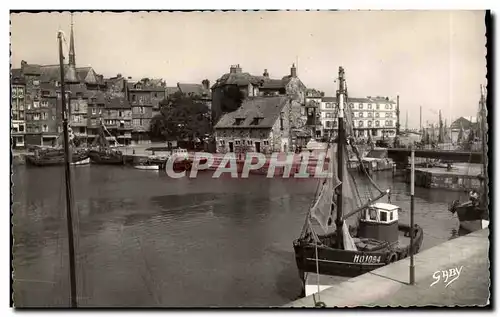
<point>433,59</point>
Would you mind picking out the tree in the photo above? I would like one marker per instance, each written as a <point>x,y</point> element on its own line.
<point>232,98</point>
<point>180,118</point>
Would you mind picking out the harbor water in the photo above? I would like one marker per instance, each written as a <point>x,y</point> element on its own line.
<point>146,240</point>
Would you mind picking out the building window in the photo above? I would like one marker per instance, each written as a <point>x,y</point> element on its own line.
<point>222,143</point>
<point>328,124</point>
<point>36,82</point>
<point>370,114</point>
<point>387,114</point>
<point>141,109</point>
<point>360,106</point>
<point>369,106</point>
<point>360,124</point>
<point>266,142</point>
<point>36,116</point>
<point>133,98</point>
<point>237,142</point>
<point>94,110</point>
<point>377,123</point>
<point>250,142</point>
<point>361,115</point>
<point>334,123</point>
<point>378,106</point>
<point>36,104</point>
<point>45,104</point>
<point>281,121</point>
<point>120,114</point>
<point>377,114</point>
<point>388,122</point>
<point>351,105</point>
<point>386,106</point>
<point>21,128</point>
<point>370,123</point>
<point>45,128</point>
<point>44,116</point>
<point>390,107</point>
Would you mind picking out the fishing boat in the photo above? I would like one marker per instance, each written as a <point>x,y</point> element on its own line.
<point>364,235</point>
<point>53,157</point>
<point>102,152</point>
<point>473,215</point>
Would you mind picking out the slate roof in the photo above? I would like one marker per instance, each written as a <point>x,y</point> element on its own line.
<point>151,85</point>
<point>267,108</point>
<point>239,79</point>
<point>274,84</point>
<point>193,89</point>
<point>50,73</point>
<point>172,90</point>
<point>243,79</point>
<point>17,76</point>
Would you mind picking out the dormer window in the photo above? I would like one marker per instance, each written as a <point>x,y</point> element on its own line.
<point>256,121</point>
<point>239,121</point>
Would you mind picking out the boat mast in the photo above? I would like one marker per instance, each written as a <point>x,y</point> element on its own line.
<point>340,156</point>
<point>67,172</point>
<point>484,144</point>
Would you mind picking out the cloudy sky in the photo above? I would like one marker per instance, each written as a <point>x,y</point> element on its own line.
<point>433,59</point>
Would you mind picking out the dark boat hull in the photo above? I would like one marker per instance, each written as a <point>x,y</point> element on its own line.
<point>471,218</point>
<point>103,158</point>
<point>332,261</point>
<point>54,160</point>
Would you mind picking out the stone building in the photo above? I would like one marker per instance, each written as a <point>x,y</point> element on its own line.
<point>261,124</point>
<point>254,86</point>
<point>117,117</point>
<point>42,101</point>
<point>18,123</point>
<point>371,115</point>
<point>144,97</point>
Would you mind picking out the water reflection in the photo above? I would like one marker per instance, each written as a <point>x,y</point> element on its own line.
<point>144,239</point>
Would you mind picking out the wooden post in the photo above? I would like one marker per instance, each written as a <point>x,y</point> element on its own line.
<point>412,213</point>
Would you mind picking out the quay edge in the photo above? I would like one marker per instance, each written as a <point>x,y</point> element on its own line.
<point>388,286</point>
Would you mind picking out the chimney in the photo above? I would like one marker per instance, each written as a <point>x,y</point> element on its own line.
<point>235,69</point>
<point>23,63</point>
<point>293,71</point>
<point>206,84</point>
<point>118,75</point>
<point>266,74</point>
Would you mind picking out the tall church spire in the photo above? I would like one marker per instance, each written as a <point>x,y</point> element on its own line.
<point>72,45</point>
<point>71,74</point>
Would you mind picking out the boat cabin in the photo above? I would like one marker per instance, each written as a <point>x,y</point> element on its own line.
<point>380,221</point>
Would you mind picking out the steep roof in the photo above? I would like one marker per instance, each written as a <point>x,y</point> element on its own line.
<point>193,89</point>
<point>267,109</point>
<point>17,76</point>
<point>239,79</point>
<point>147,85</point>
<point>50,73</point>
<point>172,90</point>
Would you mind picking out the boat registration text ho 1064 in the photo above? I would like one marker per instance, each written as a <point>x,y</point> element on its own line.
<point>367,258</point>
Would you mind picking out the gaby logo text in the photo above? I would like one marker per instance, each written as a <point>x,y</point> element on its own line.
<point>447,276</point>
